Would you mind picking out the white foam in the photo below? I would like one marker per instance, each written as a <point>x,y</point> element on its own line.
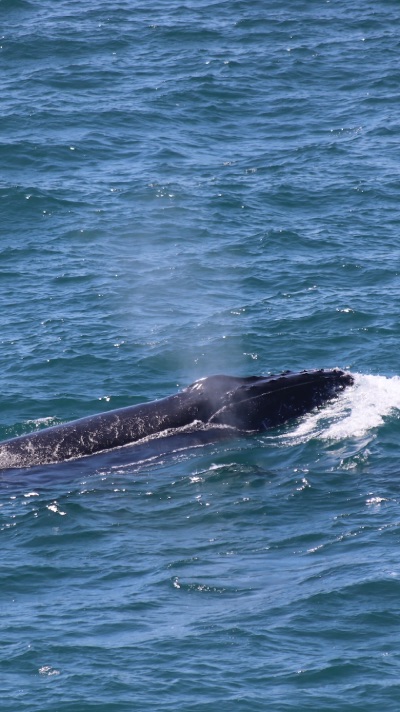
<point>358,410</point>
<point>50,420</point>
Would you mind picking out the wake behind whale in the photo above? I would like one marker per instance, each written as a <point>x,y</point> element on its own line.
<point>222,405</point>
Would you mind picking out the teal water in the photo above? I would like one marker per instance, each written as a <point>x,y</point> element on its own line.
<point>186,189</point>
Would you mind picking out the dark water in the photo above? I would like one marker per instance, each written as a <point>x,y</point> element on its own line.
<point>185,189</point>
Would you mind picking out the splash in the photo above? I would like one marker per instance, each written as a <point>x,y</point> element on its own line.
<point>357,411</point>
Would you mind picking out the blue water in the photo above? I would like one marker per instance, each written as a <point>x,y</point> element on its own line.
<point>186,189</point>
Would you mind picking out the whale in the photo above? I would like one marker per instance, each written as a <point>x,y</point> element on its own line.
<point>218,405</point>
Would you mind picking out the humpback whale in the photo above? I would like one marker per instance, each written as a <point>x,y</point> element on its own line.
<point>232,404</point>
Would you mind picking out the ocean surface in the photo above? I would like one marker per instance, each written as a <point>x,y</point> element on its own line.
<point>187,188</point>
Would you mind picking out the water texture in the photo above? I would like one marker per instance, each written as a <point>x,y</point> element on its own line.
<point>190,188</point>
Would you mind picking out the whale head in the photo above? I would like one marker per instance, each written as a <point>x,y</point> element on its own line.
<point>259,403</point>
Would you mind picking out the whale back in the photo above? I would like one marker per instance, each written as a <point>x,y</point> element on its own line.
<point>252,403</point>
